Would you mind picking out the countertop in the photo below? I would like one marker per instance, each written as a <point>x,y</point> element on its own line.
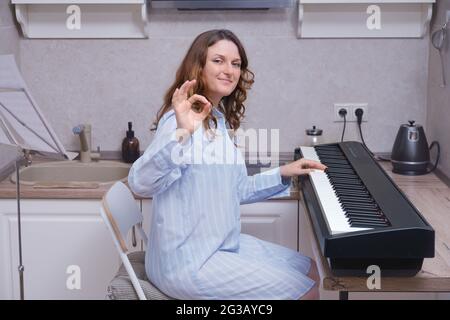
<point>8,188</point>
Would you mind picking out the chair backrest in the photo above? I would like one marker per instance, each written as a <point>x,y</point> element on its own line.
<point>120,212</point>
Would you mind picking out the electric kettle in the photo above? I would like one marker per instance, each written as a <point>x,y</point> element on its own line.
<point>410,152</point>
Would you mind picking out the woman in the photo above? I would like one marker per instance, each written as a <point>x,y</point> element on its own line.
<point>195,248</point>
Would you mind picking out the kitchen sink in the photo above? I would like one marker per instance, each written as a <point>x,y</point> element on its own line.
<point>73,174</point>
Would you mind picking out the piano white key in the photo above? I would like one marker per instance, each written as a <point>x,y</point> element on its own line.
<point>309,153</point>
<point>334,214</point>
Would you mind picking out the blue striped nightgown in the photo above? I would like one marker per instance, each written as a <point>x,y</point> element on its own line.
<point>195,249</point>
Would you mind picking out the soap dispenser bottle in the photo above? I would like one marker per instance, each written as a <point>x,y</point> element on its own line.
<point>130,146</point>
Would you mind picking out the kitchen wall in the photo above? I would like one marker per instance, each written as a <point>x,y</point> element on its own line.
<point>438,114</point>
<point>9,44</point>
<point>110,82</point>
<point>9,36</point>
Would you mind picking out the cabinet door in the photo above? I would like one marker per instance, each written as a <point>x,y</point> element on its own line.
<point>147,214</point>
<point>63,241</point>
<point>273,220</point>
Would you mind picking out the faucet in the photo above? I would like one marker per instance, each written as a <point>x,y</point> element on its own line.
<point>84,132</point>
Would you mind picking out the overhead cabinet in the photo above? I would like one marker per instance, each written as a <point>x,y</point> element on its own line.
<point>316,18</point>
<point>82,18</point>
<point>363,18</point>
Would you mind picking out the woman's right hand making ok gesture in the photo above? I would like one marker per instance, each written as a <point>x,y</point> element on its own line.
<point>186,117</point>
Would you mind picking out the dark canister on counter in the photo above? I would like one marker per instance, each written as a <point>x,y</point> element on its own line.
<point>130,146</point>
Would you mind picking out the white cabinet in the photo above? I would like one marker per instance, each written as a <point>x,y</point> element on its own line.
<point>363,18</point>
<point>58,236</point>
<point>63,236</point>
<point>82,18</point>
<point>275,220</point>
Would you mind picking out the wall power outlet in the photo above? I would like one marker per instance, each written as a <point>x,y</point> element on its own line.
<point>350,108</point>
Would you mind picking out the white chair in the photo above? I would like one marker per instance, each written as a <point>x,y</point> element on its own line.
<point>121,213</point>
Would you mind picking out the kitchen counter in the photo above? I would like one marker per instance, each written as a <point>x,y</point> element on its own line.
<point>8,189</point>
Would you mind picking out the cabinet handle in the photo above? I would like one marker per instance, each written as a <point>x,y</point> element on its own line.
<point>133,237</point>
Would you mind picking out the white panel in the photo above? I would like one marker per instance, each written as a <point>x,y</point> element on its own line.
<point>274,221</point>
<point>77,1</point>
<point>55,235</point>
<point>365,1</point>
<point>98,19</point>
<point>348,19</point>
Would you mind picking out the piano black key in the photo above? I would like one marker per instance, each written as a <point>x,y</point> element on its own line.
<point>360,206</point>
<point>365,203</point>
<point>325,150</point>
<point>332,162</point>
<point>355,195</point>
<point>344,180</point>
<point>332,146</point>
<point>355,200</point>
<point>340,168</point>
<point>367,220</point>
<point>341,193</point>
<point>346,183</point>
<point>359,215</point>
<point>370,219</point>
<point>342,185</point>
<point>356,204</point>
<point>332,158</point>
<point>366,225</point>
<point>361,211</point>
<point>349,187</point>
<point>342,175</point>
<point>341,171</point>
<point>350,191</point>
<point>338,172</point>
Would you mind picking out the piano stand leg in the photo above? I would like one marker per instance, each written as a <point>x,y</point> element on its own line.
<point>343,295</point>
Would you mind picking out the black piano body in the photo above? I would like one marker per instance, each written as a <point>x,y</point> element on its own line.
<point>397,249</point>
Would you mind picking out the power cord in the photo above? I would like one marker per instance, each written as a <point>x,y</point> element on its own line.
<point>343,113</point>
<point>359,115</point>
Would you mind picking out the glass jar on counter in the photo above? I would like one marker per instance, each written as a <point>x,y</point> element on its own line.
<point>314,136</point>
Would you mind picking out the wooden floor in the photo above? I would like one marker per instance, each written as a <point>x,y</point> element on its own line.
<point>431,197</point>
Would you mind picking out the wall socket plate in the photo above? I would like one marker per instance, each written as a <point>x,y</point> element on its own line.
<point>351,108</point>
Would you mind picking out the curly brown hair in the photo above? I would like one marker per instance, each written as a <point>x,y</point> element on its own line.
<point>192,67</point>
